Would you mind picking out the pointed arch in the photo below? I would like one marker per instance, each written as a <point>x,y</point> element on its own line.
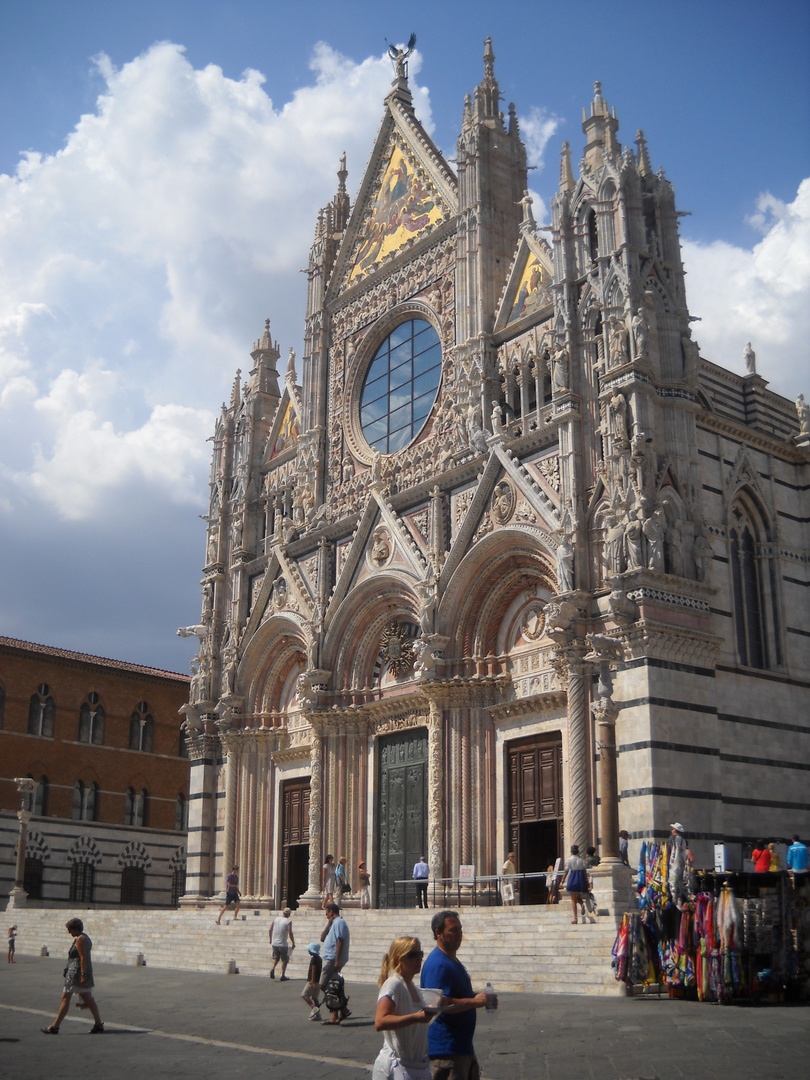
<point>754,583</point>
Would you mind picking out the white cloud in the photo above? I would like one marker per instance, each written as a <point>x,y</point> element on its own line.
<point>138,263</point>
<point>759,295</point>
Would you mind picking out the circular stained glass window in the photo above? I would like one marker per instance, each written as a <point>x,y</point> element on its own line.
<point>401,386</point>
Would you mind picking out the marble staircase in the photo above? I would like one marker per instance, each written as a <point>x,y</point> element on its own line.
<point>530,949</point>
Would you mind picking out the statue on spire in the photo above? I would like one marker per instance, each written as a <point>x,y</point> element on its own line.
<point>399,56</point>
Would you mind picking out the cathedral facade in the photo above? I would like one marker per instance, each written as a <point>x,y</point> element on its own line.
<point>510,563</point>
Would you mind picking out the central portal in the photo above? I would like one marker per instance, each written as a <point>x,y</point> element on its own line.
<point>401,812</point>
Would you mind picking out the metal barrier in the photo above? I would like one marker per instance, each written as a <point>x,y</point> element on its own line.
<point>484,891</point>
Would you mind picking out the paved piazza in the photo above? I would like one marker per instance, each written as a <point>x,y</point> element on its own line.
<point>180,1024</point>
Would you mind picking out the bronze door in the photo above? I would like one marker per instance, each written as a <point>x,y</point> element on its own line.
<point>294,841</point>
<point>535,808</point>
<point>401,813</point>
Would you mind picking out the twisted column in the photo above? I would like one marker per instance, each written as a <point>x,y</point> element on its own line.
<point>435,792</point>
<point>231,784</point>
<point>578,764</point>
<point>315,813</point>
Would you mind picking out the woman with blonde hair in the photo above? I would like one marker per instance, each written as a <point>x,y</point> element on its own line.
<point>402,1015</point>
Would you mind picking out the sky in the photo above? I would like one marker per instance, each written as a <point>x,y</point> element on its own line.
<point>161,169</point>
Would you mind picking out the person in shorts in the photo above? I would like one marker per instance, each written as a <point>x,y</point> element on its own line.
<point>280,930</point>
<point>310,991</point>
<point>231,893</point>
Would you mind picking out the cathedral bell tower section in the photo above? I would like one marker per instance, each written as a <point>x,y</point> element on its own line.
<point>491,181</point>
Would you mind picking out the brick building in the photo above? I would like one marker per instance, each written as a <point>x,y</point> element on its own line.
<point>101,740</point>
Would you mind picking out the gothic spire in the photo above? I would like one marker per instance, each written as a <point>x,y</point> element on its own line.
<point>643,158</point>
<point>566,175</point>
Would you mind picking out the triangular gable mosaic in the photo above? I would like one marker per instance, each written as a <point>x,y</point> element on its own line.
<point>405,205</point>
<point>527,295</point>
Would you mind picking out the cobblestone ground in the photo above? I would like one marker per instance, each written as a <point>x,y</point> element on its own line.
<point>180,1024</point>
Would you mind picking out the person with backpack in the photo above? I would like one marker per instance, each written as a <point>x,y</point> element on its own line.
<point>335,954</point>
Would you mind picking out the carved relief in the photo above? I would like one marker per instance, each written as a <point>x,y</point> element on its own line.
<point>503,502</point>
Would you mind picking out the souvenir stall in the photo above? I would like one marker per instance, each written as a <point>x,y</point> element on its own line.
<point>714,936</point>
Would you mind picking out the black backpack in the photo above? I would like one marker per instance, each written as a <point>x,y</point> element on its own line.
<point>334,996</point>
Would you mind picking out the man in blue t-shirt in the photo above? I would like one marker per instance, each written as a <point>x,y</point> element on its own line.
<point>797,856</point>
<point>335,953</point>
<point>450,1036</point>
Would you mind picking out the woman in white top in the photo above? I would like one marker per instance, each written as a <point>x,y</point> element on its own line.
<point>401,1013</point>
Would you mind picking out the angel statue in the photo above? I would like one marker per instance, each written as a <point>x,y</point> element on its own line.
<point>400,56</point>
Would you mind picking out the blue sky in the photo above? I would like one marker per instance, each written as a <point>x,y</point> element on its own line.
<point>156,203</point>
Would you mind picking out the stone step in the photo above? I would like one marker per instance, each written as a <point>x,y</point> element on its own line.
<point>516,949</point>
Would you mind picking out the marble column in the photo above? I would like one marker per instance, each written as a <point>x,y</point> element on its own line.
<point>435,792</point>
<point>578,816</point>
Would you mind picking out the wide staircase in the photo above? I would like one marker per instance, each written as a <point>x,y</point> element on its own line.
<point>530,949</point>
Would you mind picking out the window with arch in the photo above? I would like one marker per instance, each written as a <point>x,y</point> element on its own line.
<point>91,721</point>
<point>129,806</point>
<point>182,748</point>
<point>752,584</point>
<point>82,877</point>
<point>41,712</point>
<point>85,801</point>
<point>178,883</point>
<point>181,813</point>
<point>132,885</point>
<point>400,386</point>
<point>141,729</point>
<point>33,875</point>
<point>2,705</point>
<point>39,804</point>
<point>135,807</point>
<point>592,234</point>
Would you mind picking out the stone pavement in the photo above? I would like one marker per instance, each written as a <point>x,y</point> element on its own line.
<point>185,1024</point>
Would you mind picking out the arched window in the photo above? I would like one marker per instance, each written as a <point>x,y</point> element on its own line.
<point>82,875</point>
<point>141,808</point>
<point>178,883</point>
<point>91,721</point>
<point>132,885</point>
<point>129,806</point>
<point>181,813</point>
<point>182,749</point>
<point>41,712</point>
<point>2,705</point>
<point>32,879</point>
<point>141,726</point>
<point>85,802</point>
<point>78,801</point>
<point>40,803</point>
<point>593,235</point>
<point>752,582</point>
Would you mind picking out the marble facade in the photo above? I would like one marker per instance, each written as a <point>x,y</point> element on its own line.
<point>510,563</point>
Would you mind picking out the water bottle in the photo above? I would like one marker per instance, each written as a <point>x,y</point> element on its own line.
<point>490,997</point>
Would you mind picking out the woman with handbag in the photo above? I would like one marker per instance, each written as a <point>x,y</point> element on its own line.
<point>402,1015</point>
<point>78,979</point>
<point>576,880</point>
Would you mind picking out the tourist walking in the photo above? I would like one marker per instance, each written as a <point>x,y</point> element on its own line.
<point>335,954</point>
<point>78,979</point>
<point>624,845</point>
<point>342,885</point>
<point>508,888</point>
<point>12,943</point>
<point>402,1015</point>
<point>761,858</point>
<point>450,1036</point>
<point>231,894</point>
<point>420,876</point>
<point>365,885</point>
<point>328,881</point>
<point>310,991</point>
<point>576,880</point>
<point>280,931</point>
<point>797,856</point>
